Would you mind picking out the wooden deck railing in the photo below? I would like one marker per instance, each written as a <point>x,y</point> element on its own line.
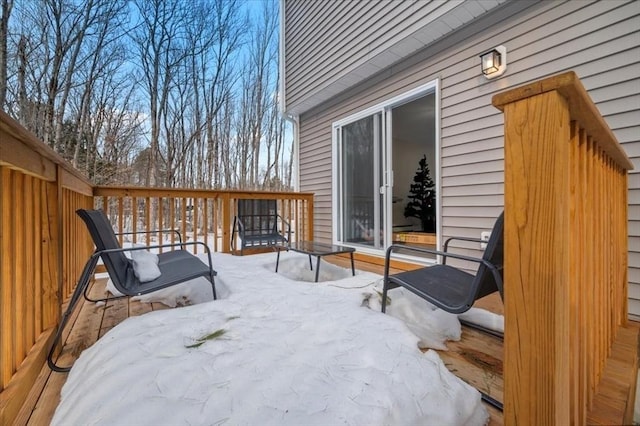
<point>206,215</point>
<point>566,250</point>
<point>42,251</point>
<point>44,245</point>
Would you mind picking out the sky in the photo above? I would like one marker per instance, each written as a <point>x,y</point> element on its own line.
<point>275,348</point>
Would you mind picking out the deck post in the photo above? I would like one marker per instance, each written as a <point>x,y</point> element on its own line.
<point>226,222</point>
<point>565,250</point>
<point>310,222</point>
<point>535,231</point>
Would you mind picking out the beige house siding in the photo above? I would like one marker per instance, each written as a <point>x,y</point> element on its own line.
<point>600,41</point>
<point>341,42</point>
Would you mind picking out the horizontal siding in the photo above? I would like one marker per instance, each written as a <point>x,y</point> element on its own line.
<point>343,43</point>
<point>598,40</point>
<point>634,306</point>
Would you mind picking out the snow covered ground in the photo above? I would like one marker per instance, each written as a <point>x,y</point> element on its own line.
<point>274,349</point>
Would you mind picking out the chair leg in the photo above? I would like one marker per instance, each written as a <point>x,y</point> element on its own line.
<point>353,267</point>
<point>83,283</point>
<point>106,299</point>
<point>317,268</point>
<point>233,236</point>
<point>384,295</point>
<point>490,400</point>
<point>213,286</point>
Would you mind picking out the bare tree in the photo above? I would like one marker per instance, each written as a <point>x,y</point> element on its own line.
<point>59,49</point>
<point>259,124</point>
<point>69,24</point>
<point>29,90</point>
<point>7,5</point>
<point>103,56</point>
<point>218,80</point>
<point>199,80</point>
<point>150,38</point>
<point>228,155</point>
<point>158,38</point>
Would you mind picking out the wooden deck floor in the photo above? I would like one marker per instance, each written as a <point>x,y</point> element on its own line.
<point>476,358</point>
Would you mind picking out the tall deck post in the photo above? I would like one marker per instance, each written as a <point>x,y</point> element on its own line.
<point>565,250</point>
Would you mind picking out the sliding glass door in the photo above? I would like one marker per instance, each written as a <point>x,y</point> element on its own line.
<point>378,155</point>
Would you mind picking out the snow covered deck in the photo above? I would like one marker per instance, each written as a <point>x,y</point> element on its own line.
<point>476,358</point>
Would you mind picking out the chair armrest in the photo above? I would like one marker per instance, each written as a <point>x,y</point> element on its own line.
<point>240,226</point>
<point>473,240</point>
<point>125,249</point>
<point>444,254</point>
<point>445,247</point>
<point>153,232</point>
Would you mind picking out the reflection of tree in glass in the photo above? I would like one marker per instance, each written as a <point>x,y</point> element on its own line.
<point>423,198</point>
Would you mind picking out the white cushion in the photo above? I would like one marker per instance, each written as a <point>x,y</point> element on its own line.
<point>145,265</point>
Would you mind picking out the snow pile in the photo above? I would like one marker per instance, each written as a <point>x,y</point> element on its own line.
<point>272,351</point>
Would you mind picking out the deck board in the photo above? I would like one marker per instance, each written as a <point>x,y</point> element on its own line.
<point>115,311</point>
<point>29,407</point>
<point>476,358</point>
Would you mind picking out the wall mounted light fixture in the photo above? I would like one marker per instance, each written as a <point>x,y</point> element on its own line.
<point>494,62</point>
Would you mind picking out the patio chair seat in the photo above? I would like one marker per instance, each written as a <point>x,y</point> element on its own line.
<point>175,267</point>
<point>427,283</point>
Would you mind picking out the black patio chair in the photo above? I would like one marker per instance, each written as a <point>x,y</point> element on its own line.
<point>448,287</point>
<point>175,266</point>
<point>258,224</point>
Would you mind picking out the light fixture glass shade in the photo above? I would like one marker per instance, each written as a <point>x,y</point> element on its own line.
<point>490,62</point>
<point>494,62</point>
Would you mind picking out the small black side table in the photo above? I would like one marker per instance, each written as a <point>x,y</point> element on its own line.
<point>318,250</point>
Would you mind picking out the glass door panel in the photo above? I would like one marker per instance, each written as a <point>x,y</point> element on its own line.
<point>361,164</point>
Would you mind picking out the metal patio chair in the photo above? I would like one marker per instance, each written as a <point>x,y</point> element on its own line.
<point>175,266</point>
<point>258,224</point>
<point>448,287</point>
